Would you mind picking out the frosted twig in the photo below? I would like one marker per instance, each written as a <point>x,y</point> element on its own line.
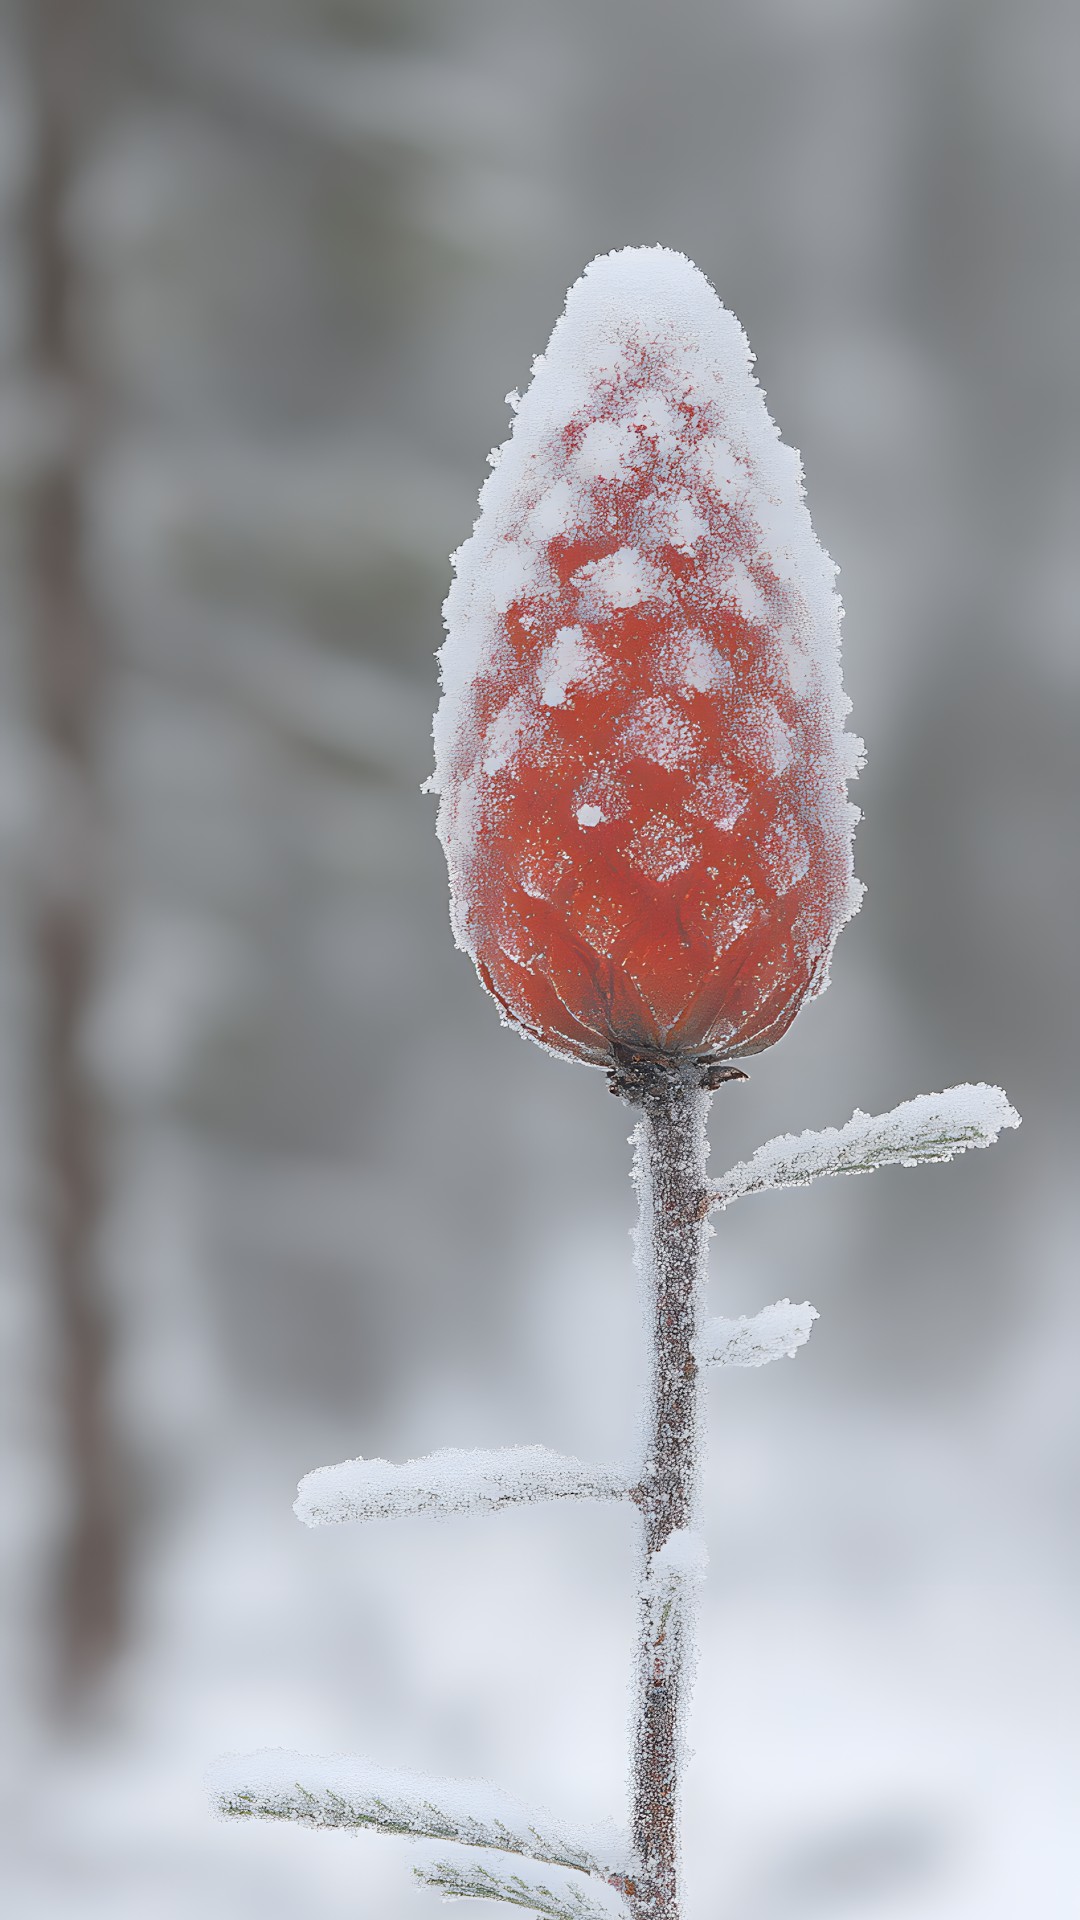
<point>672,1242</point>
<point>558,1898</point>
<point>754,1339</point>
<point>347,1792</point>
<point>933,1126</point>
<point>454,1480</point>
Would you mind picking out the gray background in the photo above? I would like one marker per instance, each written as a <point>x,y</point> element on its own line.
<point>305,247</point>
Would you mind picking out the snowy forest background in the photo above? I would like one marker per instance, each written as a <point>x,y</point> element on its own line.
<point>277,1188</point>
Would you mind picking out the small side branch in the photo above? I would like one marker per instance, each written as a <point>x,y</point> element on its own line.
<point>934,1126</point>
<point>314,1791</point>
<point>560,1897</point>
<point>754,1339</point>
<point>454,1480</point>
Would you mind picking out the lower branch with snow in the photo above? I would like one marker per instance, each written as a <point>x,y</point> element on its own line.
<point>474,1841</point>
<point>454,1480</point>
<point>344,1792</point>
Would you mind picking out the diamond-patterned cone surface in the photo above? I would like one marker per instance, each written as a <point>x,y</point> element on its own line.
<point>640,750</point>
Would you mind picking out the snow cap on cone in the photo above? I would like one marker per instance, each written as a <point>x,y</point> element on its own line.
<point>640,749</point>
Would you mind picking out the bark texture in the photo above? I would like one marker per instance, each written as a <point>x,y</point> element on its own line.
<point>672,1243</point>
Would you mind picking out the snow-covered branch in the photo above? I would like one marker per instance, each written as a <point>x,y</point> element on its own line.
<point>454,1480</point>
<point>753,1339</point>
<point>561,1896</point>
<point>347,1792</point>
<point>933,1126</point>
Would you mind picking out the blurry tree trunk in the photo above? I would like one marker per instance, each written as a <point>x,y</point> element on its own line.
<point>66,673</point>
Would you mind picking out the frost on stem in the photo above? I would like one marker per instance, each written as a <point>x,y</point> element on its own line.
<point>454,1480</point>
<point>674,1577</point>
<point>671,1243</point>
<point>933,1126</point>
<point>559,1896</point>
<point>347,1792</point>
<point>754,1339</point>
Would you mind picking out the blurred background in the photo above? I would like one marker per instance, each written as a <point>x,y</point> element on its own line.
<point>275,1186</point>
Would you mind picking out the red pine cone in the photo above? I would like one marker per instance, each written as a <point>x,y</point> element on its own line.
<point>640,749</point>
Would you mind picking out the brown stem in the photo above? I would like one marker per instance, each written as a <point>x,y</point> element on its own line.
<point>66,672</point>
<point>671,1153</point>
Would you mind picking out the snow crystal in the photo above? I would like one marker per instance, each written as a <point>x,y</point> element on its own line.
<point>683,1558</point>
<point>724,800</point>
<point>623,579</point>
<point>742,590</point>
<point>505,736</point>
<point>660,731</point>
<point>454,1480</point>
<point>553,512</point>
<point>733,913</point>
<point>653,413</point>
<point>719,467</point>
<point>700,664</point>
<point>589,816</point>
<point>607,448</point>
<point>662,847</point>
<point>685,525</point>
<point>343,1791</point>
<point>513,570</point>
<point>787,853</point>
<point>752,1340</point>
<point>567,660</point>
<point>769,737</point>
<point>933,1126</point>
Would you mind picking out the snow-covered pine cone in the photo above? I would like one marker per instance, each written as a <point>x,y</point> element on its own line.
<point>640,749</point>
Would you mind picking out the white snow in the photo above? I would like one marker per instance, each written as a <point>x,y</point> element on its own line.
<point>933,1126</point>
<point>753,1340</point>
<point>700,664</point>
<point>674,1578</point>
<point>641,299</point>
<point>742,590</point>
<point>787,853</point>
<point>734,912</point>
<point>660,731</point>
<point>721,468</point>
<point>607,449</point>
<point>662,847</point>
<point>512,571</point>
<point>623,579</point>
<point>653,413</point>
<point>553,512</point>
<point>343,1791</point>
<point>769,737</point>
<point>682,1558</point>
<point>685,525</point>
<point>454,1480</point>
<point>504,736</point>
<point>589,816</point>
<point>566,660</point>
